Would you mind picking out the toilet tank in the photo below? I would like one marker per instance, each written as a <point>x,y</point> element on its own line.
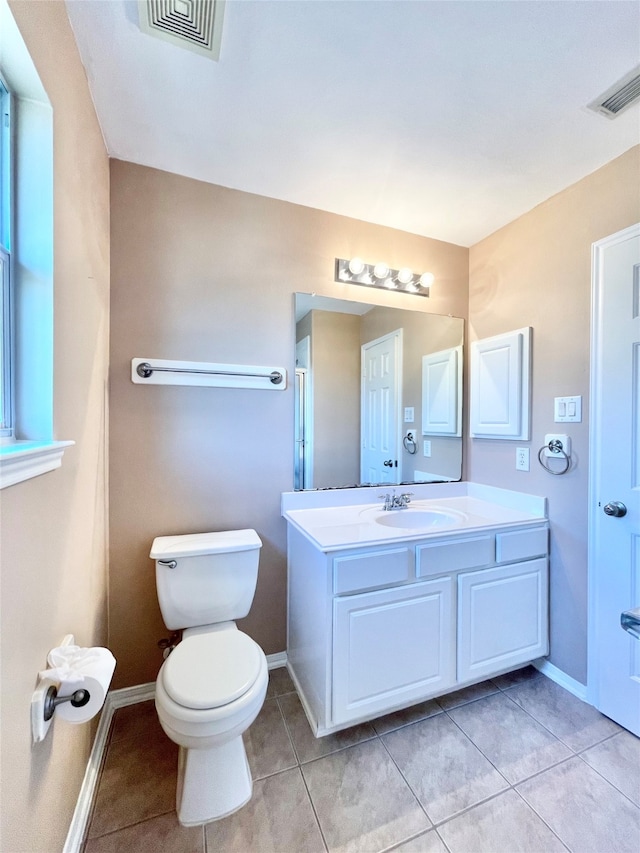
<point>213,580</point>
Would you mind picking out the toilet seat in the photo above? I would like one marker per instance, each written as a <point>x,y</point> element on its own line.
<point>210,670</point>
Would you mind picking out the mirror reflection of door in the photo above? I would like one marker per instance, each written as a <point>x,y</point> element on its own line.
<point>303,437</point>
<point>380,414</point>
<point>299,470</point>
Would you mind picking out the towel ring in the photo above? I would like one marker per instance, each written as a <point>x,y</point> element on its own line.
<point>410,444</point>
<point>556,448</point>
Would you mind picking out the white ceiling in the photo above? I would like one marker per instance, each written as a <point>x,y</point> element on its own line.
<point>446,119</point>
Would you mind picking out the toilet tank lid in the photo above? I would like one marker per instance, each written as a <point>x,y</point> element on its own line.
<point>198,544</point>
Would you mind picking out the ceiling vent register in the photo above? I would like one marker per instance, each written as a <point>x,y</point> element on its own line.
<point>192,24</point>
<point>619,96</point>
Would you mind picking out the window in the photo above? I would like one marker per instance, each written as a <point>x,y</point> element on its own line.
<point>6,220</point>
<point>27,446</point>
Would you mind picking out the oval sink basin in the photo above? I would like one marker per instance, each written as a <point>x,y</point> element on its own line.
<point>416,519</point>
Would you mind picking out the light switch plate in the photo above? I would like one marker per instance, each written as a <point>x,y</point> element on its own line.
<point>567,410</point>
<point>426,448</point>
<point>408,414</point>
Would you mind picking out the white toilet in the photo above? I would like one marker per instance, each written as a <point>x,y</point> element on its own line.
<point>212,686</point>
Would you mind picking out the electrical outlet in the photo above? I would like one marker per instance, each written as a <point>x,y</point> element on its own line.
<point>522,458</point>
<point>426,448</point>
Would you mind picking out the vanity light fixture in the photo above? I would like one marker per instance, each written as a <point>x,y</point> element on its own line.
<point>404,280</point>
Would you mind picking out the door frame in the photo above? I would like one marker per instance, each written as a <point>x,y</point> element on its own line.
<point>398,345</point>
<point>304,404</point>
<point>595,573</point>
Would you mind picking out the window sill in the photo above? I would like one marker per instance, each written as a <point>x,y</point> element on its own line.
<point>22,460</point>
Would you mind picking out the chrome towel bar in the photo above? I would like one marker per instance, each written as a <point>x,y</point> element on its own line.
<point>158,371</point>
<point>145,370</point>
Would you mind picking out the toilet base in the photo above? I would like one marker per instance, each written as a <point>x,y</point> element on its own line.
<point>212,783</point>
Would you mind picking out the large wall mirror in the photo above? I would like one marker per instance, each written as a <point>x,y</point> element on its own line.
<point>378,394</point>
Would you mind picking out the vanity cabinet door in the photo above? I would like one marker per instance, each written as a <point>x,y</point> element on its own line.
<point>391,647</point>
<point>502,618</point>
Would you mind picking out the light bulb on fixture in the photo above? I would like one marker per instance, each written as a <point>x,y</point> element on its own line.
<point>356,266</point>
<point>427,279</point>
<point>405,275</point>
<point>381,271</point>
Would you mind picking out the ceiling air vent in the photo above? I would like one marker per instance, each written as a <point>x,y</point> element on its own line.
<point>193,24</point>
<point>618,97</point>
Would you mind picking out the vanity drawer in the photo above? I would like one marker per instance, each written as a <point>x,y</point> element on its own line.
<point>352,573</point>
<point>436,558</point>
<point>521,545</point>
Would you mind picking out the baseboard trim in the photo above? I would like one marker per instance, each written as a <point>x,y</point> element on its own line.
<point>115,699</point>
<point>551,671</point>
<point>277,660</point>
<point>82,811</point>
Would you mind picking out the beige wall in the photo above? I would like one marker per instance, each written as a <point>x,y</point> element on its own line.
<point>537,272</point>
<point>53,552</point>
<point>204,273</point>
<point>335,369</point>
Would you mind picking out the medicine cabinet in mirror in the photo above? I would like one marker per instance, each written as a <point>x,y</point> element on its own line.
<point>378,395</point>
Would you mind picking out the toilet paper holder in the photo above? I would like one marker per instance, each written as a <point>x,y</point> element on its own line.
<point>89,695</point>
<point>79,698</point>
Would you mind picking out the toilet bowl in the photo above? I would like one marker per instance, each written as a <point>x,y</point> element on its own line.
<point>208,692</point>
<point>212,686</point>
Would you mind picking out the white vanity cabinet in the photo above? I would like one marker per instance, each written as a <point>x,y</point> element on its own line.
<point>375,629</point>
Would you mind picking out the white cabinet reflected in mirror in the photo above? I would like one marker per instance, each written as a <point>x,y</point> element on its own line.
<point>363,382</point>
<point>442,392</point>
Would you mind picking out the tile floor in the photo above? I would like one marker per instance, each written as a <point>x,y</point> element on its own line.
<point>512,764</point>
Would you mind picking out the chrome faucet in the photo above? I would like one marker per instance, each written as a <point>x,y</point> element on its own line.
<point>388,501</point>
<point>393,501</point>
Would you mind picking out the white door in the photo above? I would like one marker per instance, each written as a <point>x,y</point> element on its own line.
<point>614,547</point>
<point>380,409</point>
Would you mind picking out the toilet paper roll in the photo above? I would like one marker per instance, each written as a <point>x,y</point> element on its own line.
<point>92,674</point>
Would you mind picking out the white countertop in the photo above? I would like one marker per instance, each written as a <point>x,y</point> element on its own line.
<point>333,524</point>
